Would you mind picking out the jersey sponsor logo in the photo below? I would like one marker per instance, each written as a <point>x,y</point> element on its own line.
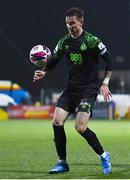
<point>101,46</point>
<point>76,58</point>
<point>83,47</point>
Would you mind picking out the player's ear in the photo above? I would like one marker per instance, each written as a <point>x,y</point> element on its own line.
<point>82,20</point>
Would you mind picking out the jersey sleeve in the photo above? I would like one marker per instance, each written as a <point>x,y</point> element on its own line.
<point>96,45</point>
<point>59,49</point>
<point>56,56</point>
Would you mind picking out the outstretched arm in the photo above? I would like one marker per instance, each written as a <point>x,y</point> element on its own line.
<point>57,55</point>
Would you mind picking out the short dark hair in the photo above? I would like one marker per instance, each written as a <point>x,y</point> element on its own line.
<point>74,11</point>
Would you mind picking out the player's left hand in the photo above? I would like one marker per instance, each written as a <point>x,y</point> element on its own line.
<point>104,90</point>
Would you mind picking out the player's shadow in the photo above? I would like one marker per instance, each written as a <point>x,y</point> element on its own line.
<point>125,172</point>
<point>90,164</point>
<point>39,173</point>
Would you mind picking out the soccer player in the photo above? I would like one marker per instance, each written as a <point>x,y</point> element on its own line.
<point>82,50</point>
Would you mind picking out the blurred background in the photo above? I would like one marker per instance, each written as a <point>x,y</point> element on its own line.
<point>24,24</point>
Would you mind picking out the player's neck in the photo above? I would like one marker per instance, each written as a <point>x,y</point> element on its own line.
<point>78,34</point>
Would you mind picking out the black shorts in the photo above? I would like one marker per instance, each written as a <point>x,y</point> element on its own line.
<point>71,103</point>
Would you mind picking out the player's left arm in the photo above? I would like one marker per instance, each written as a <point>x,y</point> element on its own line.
<point>107,57</point>
<point>99,48</point>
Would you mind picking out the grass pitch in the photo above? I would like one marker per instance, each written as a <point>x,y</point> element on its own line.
<point>27,150</point>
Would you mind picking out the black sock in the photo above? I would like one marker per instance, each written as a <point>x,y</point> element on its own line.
<point>60,141</point>
<point>93,141</point>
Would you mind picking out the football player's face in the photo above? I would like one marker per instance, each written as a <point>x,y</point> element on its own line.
<point>74,25</point>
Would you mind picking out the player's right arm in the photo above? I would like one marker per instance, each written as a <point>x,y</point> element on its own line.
<point>57,55</point>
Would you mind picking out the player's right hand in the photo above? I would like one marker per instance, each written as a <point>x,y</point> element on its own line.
<point>39,74</point>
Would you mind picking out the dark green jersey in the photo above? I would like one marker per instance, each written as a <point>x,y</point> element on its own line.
<point>82,55</point>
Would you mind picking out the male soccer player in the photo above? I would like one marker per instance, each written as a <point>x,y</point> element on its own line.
<point>82,51</point>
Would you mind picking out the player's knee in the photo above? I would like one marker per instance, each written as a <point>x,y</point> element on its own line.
<point>80,128</point>
<point>57,122</point>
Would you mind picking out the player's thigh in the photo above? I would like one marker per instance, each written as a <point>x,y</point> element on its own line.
<point>84,109</point>
<point>60,116</point>
<point>81,121</point>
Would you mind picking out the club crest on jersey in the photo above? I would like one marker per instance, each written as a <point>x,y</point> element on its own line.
<point>83,47</point>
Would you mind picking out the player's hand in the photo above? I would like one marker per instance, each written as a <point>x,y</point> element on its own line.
<point>104,90</point>
<point>39,74</point>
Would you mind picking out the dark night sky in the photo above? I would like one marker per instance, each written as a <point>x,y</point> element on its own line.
<point>25,23</point>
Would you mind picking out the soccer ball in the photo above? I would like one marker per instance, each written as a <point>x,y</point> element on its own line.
<point>39,55</point>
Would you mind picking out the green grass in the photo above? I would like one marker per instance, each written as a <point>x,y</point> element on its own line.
<point>27,150</point>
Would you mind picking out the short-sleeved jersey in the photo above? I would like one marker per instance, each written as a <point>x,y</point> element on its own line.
<point>82,55</point>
